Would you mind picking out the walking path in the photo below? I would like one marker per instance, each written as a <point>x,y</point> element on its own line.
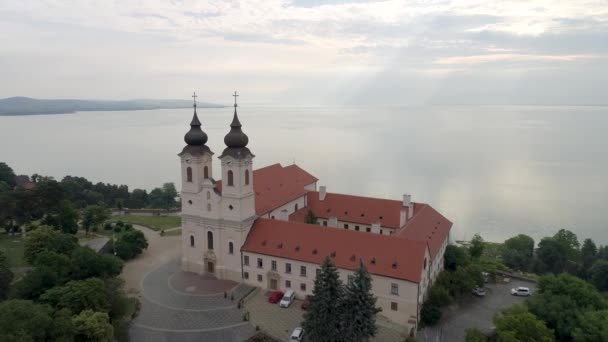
<point>178,306</point>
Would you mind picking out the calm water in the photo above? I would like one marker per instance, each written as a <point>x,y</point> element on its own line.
<point>498,171</point>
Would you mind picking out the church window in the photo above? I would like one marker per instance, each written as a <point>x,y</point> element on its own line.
<point>208,195</point>
<point>394,306</point>
<point>288,284</point>
<point>273,265</point>
<point>246,275</point>
<point>295,207</point>
<point>302,271</point>
<point>394,289</point>
<point>246,260</point>
<point>230,178</point>
<point>230,248</point>
<point>260,278</point>
<point>208,207</point>
<point>191,241</point>
<point>189,174</point>
<point>260,263</point>
<point>303,287</point>
<point>246,177</point>
<point>287,268</point>
<point>209,240</point>
<point>206,172</point>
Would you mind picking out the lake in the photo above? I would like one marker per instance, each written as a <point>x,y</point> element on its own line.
<point>495,170</point>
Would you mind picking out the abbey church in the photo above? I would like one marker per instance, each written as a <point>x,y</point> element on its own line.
<point>249,225</point>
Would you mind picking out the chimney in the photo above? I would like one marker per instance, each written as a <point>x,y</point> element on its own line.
<point>407,199</point>
<point>284,215</point>
<point>402,217</point>
<point>322,193</point>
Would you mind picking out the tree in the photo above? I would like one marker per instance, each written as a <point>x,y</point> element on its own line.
<point>559,300</point>
<point>6,276</point>
<point>94,215</point>
<point>359,307</point>
<point>130,244</point>
<point>60,264</point>
<point>93,326</point>
<point>35,283</point>
<point>518,324</point>
<point>476,247</point>
<point>599,275</point>
<point>87,263</point>
<point>454,257</point>
<point>137,199</point>
<point>552,254</point>
<point>66,220</point>
<point>593,326</point>
<point>460,282</point>
<point>518,252</point>
<point>46,239</point>
<point>48,194</point>
<point>7,175</point>
<point>474,335</point>
<point>63,329</point>
<point>570,242</point>
<point>588,255</point>
<point>22,320</point>
<point>602,252</point>
<point>430,314</point>
<point>78,295</point>
<point>322,320</point>
<point>310,218</point>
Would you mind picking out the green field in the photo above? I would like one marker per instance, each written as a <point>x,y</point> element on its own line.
<point>12,246</point>
<point>153,222</point>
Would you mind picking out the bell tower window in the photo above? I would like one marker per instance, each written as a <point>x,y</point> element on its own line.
<point>209,240</point>
<point>191,241</point>
<point>230,178</point>
<point>206,172</point>
<point>230,248</point>
<point>246,177</point>
<point>189,174</point>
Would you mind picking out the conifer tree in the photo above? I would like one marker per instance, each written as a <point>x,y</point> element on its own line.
<point>322,321</point>
<point>359,307</point>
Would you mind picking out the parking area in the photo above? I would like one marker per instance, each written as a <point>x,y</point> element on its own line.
<point>477,313</point>
<point>280,322</point>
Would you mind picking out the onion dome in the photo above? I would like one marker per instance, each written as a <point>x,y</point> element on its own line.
<point>236,138</point>
<point>195,136</point>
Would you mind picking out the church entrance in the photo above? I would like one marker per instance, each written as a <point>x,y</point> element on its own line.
<point>210,267</point>
<point>274,284</point>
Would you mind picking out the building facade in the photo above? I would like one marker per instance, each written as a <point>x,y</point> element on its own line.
<point>254,226</point>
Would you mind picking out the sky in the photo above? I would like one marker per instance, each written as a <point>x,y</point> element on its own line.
<point>433,52</point>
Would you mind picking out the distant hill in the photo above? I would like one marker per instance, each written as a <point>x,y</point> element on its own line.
<point>28,106</point>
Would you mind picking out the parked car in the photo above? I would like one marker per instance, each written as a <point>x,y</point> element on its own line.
<point>479,291</point>
<point>287,299</point>
<point>305,303</point>
<point>521,291</point>
<point>275,297</point>
<point>297,334</point>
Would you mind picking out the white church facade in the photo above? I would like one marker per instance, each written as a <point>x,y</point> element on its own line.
<point>250,227</point>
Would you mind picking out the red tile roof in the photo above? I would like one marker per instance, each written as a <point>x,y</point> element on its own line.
<point>276,185</point>
<point>299,241</point>
<point>427,225</point>
<point>357,209</point>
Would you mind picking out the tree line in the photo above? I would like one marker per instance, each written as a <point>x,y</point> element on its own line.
<point>60,200</point>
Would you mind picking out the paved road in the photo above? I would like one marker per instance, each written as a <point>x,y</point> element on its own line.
<point>478,313</point>
<point>171,314</point>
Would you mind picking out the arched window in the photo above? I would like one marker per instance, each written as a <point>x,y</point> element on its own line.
<point>189,174</point>
<point>296,207</point>
<point>209,240</point>
<point>208,195</point>
<point>246,177</point>
<point>208,207</point>
<point>191,241</point>
<point>230,178</point>
<point>230,248</point>
<point>206,172</point>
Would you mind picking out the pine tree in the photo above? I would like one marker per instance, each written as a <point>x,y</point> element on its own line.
<point>359,307</point>
<point>322,321</point>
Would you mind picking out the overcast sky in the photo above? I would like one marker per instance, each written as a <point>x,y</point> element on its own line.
<point>308,52</point>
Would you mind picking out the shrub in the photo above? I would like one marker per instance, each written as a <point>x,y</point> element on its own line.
<point>128,226</point>
<point>120,223</point>
<point>439,296</point>
<point>118,229</point>
<point>107,226</point>
<point>474,335</point>
<point>430,314</point>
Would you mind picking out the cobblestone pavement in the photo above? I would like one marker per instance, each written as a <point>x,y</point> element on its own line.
<point>280,322</point>
<point>177,307</point>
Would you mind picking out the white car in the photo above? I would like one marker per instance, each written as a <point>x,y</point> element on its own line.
<point>287,299</point>
<point>479,292</point>
<point>297,334</point>
<point>521,291</point>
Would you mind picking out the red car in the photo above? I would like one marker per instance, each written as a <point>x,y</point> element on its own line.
<point>275,297</point>
<point>305,303</point>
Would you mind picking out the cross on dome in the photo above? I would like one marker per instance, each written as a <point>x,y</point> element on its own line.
<point>235,96</point>
<point>194,96</point>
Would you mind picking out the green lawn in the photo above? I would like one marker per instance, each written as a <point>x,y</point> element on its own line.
<point>174,232</point>
<point>12,246</point>
<point>153,222</point>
